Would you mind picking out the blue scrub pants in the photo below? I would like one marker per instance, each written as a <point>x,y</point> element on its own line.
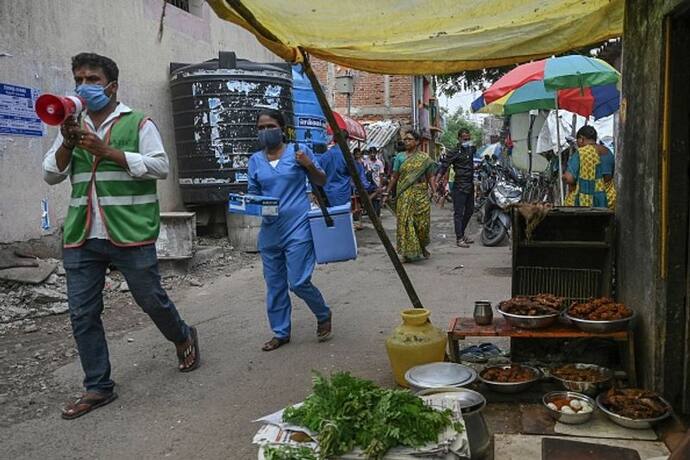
<point>290,268</point>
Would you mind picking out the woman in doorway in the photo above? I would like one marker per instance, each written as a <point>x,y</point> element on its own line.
<point>413,174</point>
<point>285,241</point>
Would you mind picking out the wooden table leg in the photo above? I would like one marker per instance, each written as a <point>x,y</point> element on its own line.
<point>630,367</point>
<point>453,348</point>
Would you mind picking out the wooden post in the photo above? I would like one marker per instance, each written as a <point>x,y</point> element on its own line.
<point>349,159</point>
<point>560,159</point>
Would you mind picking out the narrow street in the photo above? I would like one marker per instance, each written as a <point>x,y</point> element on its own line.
<point>208,413</point>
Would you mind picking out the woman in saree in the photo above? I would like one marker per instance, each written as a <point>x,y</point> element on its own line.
<point>413,174</point>
<point>590,173</point>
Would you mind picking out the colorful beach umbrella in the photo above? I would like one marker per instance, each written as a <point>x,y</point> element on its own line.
<point>571,73</point>
<point>563,72</point>
<point>597,101</point>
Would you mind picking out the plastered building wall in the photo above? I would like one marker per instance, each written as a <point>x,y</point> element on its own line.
<point>37,40</point>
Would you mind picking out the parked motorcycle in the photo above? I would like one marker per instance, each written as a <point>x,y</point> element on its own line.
<point>506,191</point>
<point>485,179</point>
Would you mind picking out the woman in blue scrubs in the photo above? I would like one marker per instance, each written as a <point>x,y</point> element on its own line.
<point>338,186</point>
<point>285,241</point>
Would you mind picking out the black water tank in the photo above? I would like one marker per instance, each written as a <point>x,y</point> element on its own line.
<point>215,104</point>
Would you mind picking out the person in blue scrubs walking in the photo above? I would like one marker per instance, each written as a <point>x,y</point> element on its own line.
<point>285,241</point>
<point>338,186</point>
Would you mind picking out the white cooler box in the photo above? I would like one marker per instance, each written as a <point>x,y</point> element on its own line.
<point>253,205</point>
<point>336,243</point>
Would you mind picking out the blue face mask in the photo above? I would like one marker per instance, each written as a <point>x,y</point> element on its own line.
<point>270,138</point>
<point>94,95</point>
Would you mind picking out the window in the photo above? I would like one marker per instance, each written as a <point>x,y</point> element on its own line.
<point>194,7</point>
<point>181,4</point>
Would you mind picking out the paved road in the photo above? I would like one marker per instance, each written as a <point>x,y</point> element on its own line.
<point>162,413</point>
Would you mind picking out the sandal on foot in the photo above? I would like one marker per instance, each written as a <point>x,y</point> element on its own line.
<point>189,348</point>
<point>275,343</point>
<point>323,329</point>
<point>86,403</point>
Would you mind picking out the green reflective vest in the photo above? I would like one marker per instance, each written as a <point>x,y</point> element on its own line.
<point>128,206</point>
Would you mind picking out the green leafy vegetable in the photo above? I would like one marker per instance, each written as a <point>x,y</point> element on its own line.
<point>288,453</point>
<point>348,412</point>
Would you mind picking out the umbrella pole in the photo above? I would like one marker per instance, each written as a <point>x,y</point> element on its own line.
<point>560,159</point>
<point>363,195</point>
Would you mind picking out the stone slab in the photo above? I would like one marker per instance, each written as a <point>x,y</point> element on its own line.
<point>522,447</point>
<point>206,254</point>
<point>29,275</point>
<point>601,427</point>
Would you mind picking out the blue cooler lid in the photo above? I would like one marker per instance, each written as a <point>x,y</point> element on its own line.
<point>334,210</point>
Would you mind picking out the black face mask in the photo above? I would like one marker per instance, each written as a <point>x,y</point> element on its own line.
<point>270,138</point>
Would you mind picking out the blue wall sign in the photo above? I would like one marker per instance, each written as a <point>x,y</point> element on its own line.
<point>17,116</point>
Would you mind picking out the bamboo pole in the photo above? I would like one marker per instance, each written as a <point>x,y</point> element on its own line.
<point>363,195</point>
<point>349,158</point>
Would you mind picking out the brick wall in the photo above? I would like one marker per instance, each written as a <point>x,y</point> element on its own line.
<point>370,101</point>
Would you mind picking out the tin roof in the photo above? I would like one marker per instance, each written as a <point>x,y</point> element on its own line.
<point>380,133</point>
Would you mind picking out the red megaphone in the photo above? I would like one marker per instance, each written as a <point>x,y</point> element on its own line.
<point>54,110</point>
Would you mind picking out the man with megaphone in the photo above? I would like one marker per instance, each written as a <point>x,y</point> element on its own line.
<point>113,157</point>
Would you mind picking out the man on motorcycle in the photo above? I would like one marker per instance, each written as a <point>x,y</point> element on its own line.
<point>461,159</point>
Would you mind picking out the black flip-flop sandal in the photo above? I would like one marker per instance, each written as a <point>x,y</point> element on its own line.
<point>275,343</point>
<point>88,404</point>
<point>188,351</point>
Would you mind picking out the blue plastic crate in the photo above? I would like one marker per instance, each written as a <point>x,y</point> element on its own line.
<point>336,243</point>
<point>253,205</point>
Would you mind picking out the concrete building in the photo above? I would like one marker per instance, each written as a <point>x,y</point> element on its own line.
<point>654,192</point>
<point>37,40</point>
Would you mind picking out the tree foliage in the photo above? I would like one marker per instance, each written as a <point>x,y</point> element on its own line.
<point>454,123</point>
<point>479,80</point>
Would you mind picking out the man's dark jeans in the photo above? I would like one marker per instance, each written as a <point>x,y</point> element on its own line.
<point>85,268</point>
<point>463,208</point>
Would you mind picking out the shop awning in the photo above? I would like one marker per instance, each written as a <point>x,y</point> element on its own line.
<point>353,129</point>
<point>418,37</point>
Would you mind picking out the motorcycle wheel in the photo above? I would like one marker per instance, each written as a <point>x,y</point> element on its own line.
<point>493,233</point>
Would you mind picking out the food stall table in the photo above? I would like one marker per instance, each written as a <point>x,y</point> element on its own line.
<point>462,327</point>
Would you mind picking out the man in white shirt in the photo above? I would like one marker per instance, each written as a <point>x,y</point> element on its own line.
<point>375,165</point>
<point>113,159</point>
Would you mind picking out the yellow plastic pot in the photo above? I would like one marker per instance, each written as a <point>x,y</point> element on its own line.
<point>416,341</point>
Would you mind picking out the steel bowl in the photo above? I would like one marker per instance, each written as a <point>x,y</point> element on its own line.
<point>571,419</point>
<point>588,388</point>
<point>510,387</point>
<point>634,423</point>
<point>589,325</point>
<point>530,322</point>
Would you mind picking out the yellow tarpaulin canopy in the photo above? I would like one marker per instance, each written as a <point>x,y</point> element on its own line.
<point>427,37</point>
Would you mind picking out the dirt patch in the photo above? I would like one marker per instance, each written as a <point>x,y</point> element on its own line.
<point>506,272</point>
<point>36,337</point>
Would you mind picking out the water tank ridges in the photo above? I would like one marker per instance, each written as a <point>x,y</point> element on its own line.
<point>215,104</point>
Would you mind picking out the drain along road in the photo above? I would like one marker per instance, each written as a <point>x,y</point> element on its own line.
<point>162,413</point>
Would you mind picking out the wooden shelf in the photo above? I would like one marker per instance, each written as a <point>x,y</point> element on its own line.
<point>460,327</point>
<point>564,244</point>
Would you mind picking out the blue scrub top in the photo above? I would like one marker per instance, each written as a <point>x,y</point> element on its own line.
<point>287,182</point>
<point>338,187</point>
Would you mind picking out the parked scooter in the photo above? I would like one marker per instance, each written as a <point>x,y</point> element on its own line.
<point>485,179</point>
<point>506,191</point>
